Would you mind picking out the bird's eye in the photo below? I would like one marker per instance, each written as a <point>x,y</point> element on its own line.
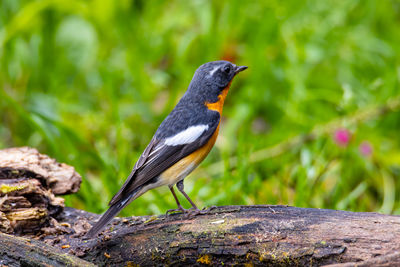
<point>226,69</point>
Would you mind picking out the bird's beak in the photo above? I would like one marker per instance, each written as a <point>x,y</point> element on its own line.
<point>239,69</point>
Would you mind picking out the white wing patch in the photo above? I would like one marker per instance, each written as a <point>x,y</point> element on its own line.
<point>186,136</point>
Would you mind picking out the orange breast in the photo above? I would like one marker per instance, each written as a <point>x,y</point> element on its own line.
<point>217,106</point>
<point>186,165</point>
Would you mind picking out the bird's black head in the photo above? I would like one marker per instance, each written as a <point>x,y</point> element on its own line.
<point>211,78</point>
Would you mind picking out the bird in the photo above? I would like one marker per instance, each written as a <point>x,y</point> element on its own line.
<point>180,143</point>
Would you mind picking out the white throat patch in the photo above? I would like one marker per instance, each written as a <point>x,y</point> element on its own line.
<point>186,136</point>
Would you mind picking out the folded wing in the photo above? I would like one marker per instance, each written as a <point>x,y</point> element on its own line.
<point>162,154</point>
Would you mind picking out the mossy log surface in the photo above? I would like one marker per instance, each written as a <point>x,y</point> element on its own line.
<point>20,251</point>
<point>230,235</point>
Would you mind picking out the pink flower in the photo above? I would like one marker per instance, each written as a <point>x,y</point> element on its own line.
<point>365,148</point>
<point>342,137</point>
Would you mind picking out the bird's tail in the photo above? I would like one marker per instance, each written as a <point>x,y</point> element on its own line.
<point>109,215</point>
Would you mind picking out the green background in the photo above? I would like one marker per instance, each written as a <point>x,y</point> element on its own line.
<point>88,83</point>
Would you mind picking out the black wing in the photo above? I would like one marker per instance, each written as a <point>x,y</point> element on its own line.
<point>157,158</point>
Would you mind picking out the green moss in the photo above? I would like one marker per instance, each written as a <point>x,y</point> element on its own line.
<point>152,219</point>
<point>5,188</point>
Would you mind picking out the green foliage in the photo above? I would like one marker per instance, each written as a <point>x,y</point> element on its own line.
<point>88,82</point>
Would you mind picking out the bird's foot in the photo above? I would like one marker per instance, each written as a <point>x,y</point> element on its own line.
<point>209,208</point>
<point>174,211</point>
<point>193,211</point>
<point>189,213</point>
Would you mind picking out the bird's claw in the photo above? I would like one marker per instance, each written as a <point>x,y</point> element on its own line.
<point>173,211</point>
<point>191,212</point>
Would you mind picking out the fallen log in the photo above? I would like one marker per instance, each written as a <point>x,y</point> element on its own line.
<point>259,235</point>
<point>230,235</point>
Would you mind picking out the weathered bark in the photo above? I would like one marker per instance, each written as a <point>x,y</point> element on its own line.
<point>25,163</point>
<point>231,235</point>
<point>29,182</point>
<point>260,235</point>
<point>18,251</point>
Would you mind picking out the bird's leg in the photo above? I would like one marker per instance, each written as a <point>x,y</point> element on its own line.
<point>194,209</point>
<point>180,208</point>
<point>180,187</point>
<point>176,198</point>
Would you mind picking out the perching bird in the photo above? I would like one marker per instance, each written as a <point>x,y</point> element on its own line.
<point>182,140</point>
